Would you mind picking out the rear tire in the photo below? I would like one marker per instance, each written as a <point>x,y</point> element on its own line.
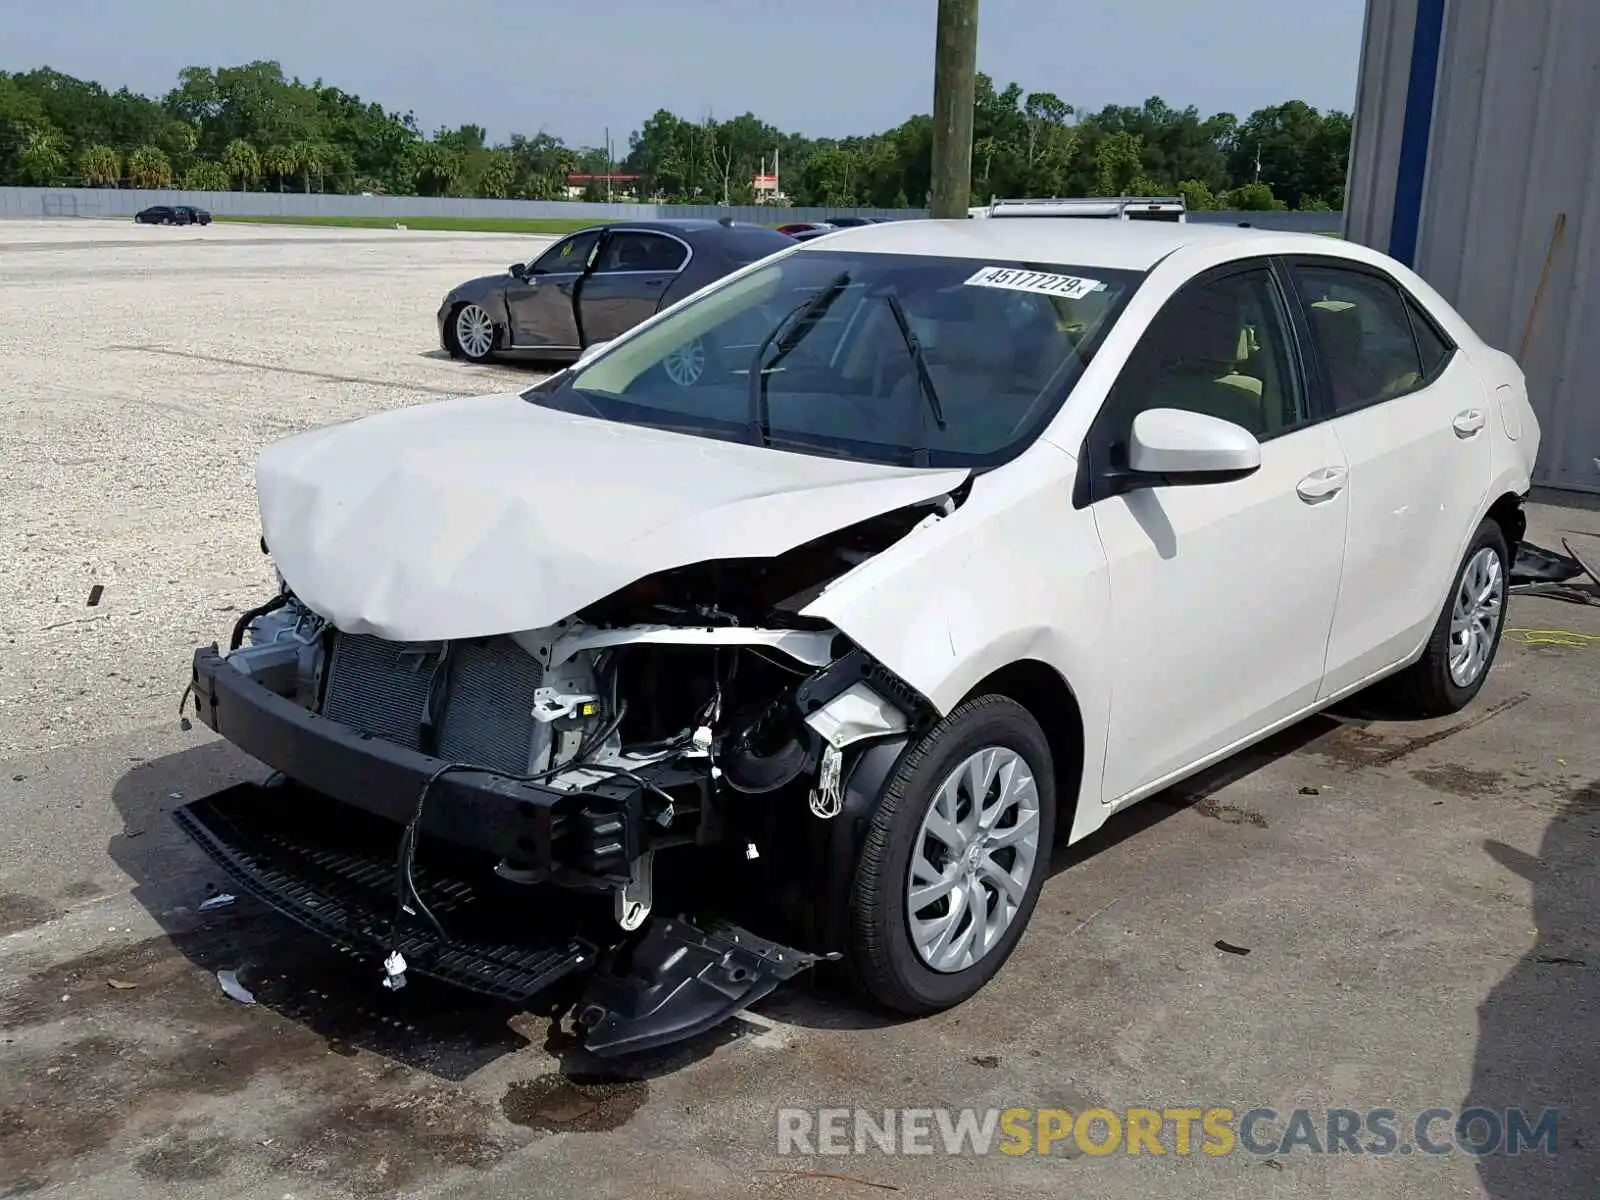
<point>1461,650</point>
<point>935,850</point>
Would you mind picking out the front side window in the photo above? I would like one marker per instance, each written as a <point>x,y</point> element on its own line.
<point>1221,348</point>
<point>880,357</point>
<point>568,255</point>
<point>1364,333</point>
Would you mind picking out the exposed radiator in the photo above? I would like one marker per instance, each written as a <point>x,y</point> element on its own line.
<point>381,688</point>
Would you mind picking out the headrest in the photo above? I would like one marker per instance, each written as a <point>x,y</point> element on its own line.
<point>1339,326</point>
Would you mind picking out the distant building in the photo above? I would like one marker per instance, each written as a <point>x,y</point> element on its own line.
<point>767,190</point>
<point>621,187</point>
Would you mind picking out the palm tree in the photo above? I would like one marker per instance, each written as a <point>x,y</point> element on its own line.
<point>42,158</point>
<point>242,163</point>
<point>279,162</point>
<point>310,158</point>
<point>148,167</point>
<point>99,166</point>
<point>206,176</point>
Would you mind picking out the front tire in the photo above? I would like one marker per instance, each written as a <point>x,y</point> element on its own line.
<point>1462,647</point>
<point>954,858</point>
<point>472,332</point>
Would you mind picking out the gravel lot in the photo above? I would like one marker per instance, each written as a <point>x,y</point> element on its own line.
<point>1419,903</point>
<point>145,367</point>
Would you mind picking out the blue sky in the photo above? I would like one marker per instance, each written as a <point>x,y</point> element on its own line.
<point>820,67</point>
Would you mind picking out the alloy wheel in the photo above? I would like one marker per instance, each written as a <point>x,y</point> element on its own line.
<point>1475,616</point>
<point>474,331</point>
<point>973,859</point>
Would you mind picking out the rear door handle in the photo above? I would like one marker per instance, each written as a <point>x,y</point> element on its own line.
<point>1468,423</point>
<point>1321,485</point>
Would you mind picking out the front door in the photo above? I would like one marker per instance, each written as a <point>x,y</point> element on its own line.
<point>634,271</point>
<point>1412,418</point>
<point>1222,594</point>
<point>542,305</point>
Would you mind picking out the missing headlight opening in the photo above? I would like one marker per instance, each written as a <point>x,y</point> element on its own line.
<point>639,798</point>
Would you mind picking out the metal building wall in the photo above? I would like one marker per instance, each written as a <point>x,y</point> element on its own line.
<point>1477,126</point>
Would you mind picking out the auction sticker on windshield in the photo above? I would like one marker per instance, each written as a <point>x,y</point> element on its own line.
<point>1072,287</point>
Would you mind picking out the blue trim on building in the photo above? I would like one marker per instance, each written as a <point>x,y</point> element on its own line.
<point>1417,130</point>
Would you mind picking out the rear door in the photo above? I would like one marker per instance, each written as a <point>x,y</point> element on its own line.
<point>1411,417</point>
<point>542,306</point>
<point>635,269</point>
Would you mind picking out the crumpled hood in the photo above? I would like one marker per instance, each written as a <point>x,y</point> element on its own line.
<point>468,518</point>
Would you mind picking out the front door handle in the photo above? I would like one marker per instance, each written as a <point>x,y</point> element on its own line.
<point>1468,423</point>
<point>1321,485</point>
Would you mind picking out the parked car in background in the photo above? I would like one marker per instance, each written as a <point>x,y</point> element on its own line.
<point>593,285</point>
<point>794,227</point>
<point>172,214</point>
<point>959,538</point>
<point>851,222</point>
<point>808,235</point>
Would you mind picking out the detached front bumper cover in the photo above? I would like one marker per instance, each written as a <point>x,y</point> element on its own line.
<point>324,853</point>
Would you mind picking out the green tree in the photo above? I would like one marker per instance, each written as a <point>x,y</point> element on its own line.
<point>99,166</point>
<point>206,176</point>
<point>148,167</point>
<point>1254,197</point>
<point>1118,161</point>
<point>1197,196</point>
<point>319,136</point>
<point>279,162</point>
<point>242,163</point>
<point>43,156</point>
<point>310,161</point>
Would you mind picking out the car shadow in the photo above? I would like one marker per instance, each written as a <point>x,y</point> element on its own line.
<point>450,1033</point>
<point>1537,1049</point>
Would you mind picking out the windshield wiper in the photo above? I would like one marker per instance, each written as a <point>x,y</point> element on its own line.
<point>918,360</point>
<point>805,317</point>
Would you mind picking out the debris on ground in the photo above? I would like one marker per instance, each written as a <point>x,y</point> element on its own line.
<point>236,990</point>
<point>1230,948</point>
<point>1541,572</point>
<point>220,900</point>
<point>985,1060</point>
<point>95,593</point>
<point>1310,791</point>
<point>121,985</point>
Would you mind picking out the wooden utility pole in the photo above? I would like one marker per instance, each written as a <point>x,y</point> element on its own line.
<point>955,69</point>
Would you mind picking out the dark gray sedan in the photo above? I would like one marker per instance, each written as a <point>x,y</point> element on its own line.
<point>593,285</point>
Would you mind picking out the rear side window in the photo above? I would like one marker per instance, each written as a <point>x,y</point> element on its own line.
<point>1431,345</point>
<point>637,250</point>
<point>1365,335</point>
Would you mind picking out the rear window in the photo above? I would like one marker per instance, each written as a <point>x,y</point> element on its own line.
<point>746,246</point>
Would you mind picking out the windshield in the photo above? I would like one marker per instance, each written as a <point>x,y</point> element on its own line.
<point>886,358</point>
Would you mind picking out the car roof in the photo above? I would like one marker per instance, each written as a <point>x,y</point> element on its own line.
<point>682,226</point>
<point>1110,245</point>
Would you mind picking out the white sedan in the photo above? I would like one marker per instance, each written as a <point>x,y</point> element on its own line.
<point>855,580</point>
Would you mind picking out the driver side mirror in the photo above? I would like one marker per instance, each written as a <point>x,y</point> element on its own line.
<point>520,270</point>
<point>1172,447</point>
<point>590,351</point>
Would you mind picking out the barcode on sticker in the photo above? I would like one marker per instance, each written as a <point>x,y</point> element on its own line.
<point>1072,287</point>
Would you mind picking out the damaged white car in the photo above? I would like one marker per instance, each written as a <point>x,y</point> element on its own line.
<point>802,620</point>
